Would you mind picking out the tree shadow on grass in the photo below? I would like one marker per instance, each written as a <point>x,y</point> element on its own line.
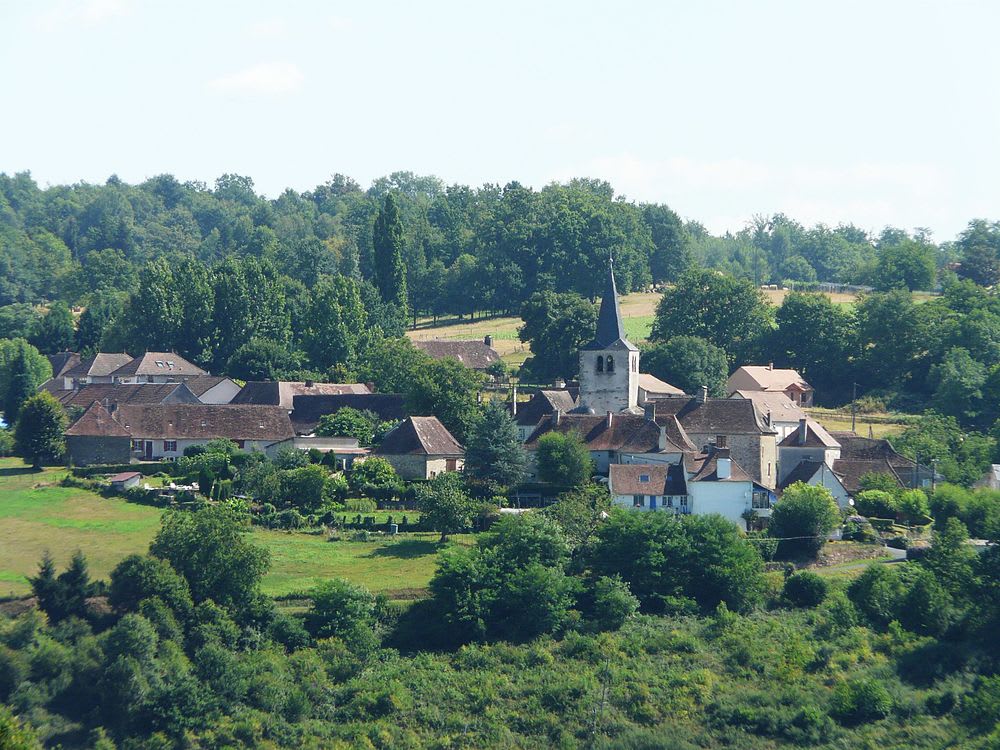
<point>407,549</point>
<point>13,471</point>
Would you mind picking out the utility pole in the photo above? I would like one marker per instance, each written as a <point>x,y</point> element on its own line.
<point>854,405</point>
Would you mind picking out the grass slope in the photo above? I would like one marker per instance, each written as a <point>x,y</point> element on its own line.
<point>36,514</point>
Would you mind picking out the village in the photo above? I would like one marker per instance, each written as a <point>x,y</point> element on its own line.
<point>654,447</point>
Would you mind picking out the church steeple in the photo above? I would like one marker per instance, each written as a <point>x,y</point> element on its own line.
<point>610,328</point>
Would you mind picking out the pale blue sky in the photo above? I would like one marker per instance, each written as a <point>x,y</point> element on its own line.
<point>877,112</point>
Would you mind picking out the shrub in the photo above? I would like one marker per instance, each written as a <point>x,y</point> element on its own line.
<point>803,519</point>
<point>805,589</point>
<point>614,603</point>
<point>863,699</point>
<point>877,504</point>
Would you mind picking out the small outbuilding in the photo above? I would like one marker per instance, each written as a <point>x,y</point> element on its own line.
<point>422,448</point>
<point>125,480</point>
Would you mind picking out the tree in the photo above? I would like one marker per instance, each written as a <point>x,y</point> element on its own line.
<point>450,391</point>
<point>390,363</point>
<point>347,422</point>
<point>908,264</point>
<point>979,246</point>
<point>102,310</point>
<point>805,589</point>
<point>374,471</point>
<point>21,386</point>
<point>262,359</point>
<point>141,577</point>
<point>614,603</point>
<point>14,735</point>
<point>55,331</point>
<point>689,363</point>
<point>304,487</point>
<point>494,452</point>
<point>958,382</point>
<point>555,327</point>
<point>39,432</point>
<point>579,514</point>
<point>672,254</point>
<point>563,459</point>
<point>209,549</point>
<point>445,506</point>
<point>36,365</point>
<point>803,519</point>
<point>343,610</point>
<point>730,313</point>
<point>336,320</point>
<point>388,244</point>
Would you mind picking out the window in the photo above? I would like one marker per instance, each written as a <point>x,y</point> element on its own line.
<point>611,363</point>
<point>169,446</point>
<point>761,501</point>
<point>137,445</point>
<point>638,501</point>
<point>644,477</point>
<point>600,363</point>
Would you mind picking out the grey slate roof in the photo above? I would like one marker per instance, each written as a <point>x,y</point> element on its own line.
<point>100,365</point>
<point>631,433</point>
<point>543,403</point>
<point>715,416</point>
<point>475,354</point>
<point>159,364</point>
<point>63,361</point>
<point>307,410</point>
<point>610,329</point>
<point>420,435</point>
<point>283,392</point>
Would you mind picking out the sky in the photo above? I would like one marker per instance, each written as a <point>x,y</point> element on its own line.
<point>882,112</point>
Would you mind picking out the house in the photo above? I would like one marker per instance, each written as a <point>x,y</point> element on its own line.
<point>213,389</point>
<point>809,442</point>
<point>112,395</point>
<point>616,438</point>
<point>475,354</point>
<point>774,380</point>
<point>421,448</point>
<point>776,408</point>
<point>651,387</point>
<point>307,410</point>
<point>860,456</point>
<point>991,479</point>
<point>283,392</point>
<point>62,362</point>
<point>125,480</point>
<point>157,367</point>
<point>97,369</point>
<point>649,487</point>
<point>729,423</point>
<point>162,431</point>
<point>705,483</point>
<point>818,474</point>
<point>543,403</point>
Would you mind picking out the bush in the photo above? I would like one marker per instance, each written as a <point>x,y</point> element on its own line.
<point>614,603</point>
<point>805,589</point>
<point>877,504</point>
<point>859,700</point>
<point>803,518</point>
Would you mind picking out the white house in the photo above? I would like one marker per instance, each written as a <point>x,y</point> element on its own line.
<point>649,487</point>
<point>809,442</point>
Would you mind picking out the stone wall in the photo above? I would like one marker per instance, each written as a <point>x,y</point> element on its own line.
<point>85,450</point>
<point>605,391</point>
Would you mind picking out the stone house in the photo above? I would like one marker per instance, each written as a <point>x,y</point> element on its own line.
<point>307,410</point>
<point>421,448</point>
<point>774,380</point>
<point>474,354</point>
<point>157,367</point>
<point>809,442</point>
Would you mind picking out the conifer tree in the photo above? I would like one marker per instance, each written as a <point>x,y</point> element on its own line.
<point>40,427</point>
<point>494,452</point>
<point>22,386</point>
<point>387,240</point>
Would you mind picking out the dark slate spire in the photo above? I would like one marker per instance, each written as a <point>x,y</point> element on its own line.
<point>610,329</point>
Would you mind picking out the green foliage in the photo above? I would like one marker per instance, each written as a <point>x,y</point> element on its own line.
<point>580,514</point>
<point>961,456</point>
<point>689,363</point>
<point>12,353</point>
<point>348,422</point>
<point>614,603</point>
<point>55,331</point>
<point>208,548</point>
<point>142,577</point>
<point>387,243</point>
<point>493,452</point>
<point>877,503</point>
<point>38,435</point>
<point>861,700</point>
<point>555,327</point>
<point>907,264</point>
<point>563,459</point>
<point>730,313</point>
<point>667,560</point>
<point>448,390</point>
<point>803,519</point>
<point>805,589</point>
<point>262,359</point>
<point>64,595</point>
<point>445,506</point>
<point>345,611</point>
<point>305,487</point>
<point>372,472</point>
<point>14,735</point>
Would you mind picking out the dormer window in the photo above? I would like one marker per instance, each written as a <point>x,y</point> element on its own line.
<point>611,363</point>
<point>600,363</point>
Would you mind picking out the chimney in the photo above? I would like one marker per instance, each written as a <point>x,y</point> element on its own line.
<point>610,417</point>
<point>556,416</point>
<point>702,394</point>
<point>770,365</point>
<point>802,431</point>
<point>720,441</point>
<point>488,340</point>
<point>723,465</point>
<point>309,384</point>
<point>370,387</point>
<point>560,383</point>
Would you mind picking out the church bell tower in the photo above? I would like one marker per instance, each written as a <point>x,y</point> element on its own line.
<point>609,365</point>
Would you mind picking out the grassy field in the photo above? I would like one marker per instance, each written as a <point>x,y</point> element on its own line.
<point>638,311</point>
<point>881,425</point>
<point>36,514</point>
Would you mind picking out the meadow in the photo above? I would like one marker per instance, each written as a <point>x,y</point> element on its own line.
<point>39,515</point>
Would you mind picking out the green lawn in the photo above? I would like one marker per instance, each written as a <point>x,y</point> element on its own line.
<point>36,514</point>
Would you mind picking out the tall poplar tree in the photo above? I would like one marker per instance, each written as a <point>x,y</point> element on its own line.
<point>387,240</point>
